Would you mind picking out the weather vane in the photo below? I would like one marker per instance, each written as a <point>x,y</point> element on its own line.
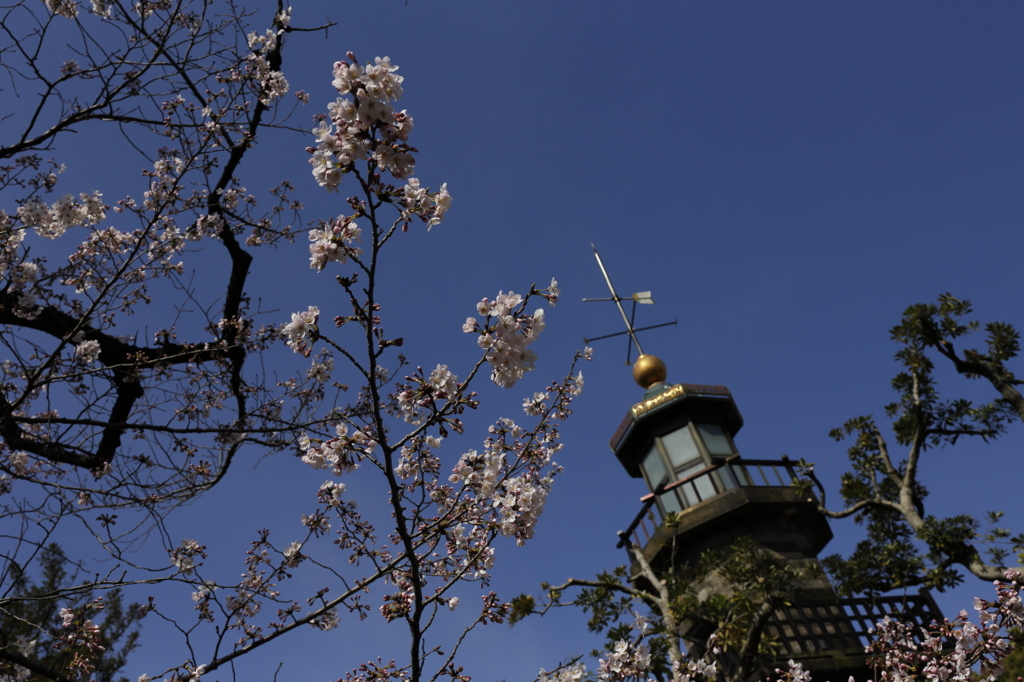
<point>641,297</point>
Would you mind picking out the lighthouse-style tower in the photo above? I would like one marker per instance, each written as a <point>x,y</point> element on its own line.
<point>681,439</point>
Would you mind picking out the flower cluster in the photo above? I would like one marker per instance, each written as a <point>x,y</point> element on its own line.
<point>535,406</point>
<point>365,126</point>
<point>293,554</point>
<point>53,221</point>
<point>515,502</point>
<point>478,557</point>
<point>577,672</point>
<point>333,243</point>
<point>321,369</point>
<point>397,605</point>
<point>62,8</point>
<point>328,620</point>
<point>479,472</point>
<point>24,647</point>
<point>10,239</point>
<point>23,277</point>
<point>18,463</point>
<point>204,591</point>
<point>330,492</point>
<point>272,83</point>
<point>415,402</point>
<point>88,351</point>
<point>206,225</point>
<point>506,335</point>
<point>302,330</point>
<point>89,259</point>
<point>520,507</point>
<point>626,660</point>
<point>430,207</point>
<point>902,656</point>
<point>417,461</point>
<point>164,183</point>
<point>81,638</point>
<point>341,454</point>
<point>184,557</point>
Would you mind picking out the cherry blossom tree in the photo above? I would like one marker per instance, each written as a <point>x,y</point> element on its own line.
<point>129,389</point>
<point>109,425</point>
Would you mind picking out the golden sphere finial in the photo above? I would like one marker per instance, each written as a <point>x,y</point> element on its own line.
<point>649,370</point>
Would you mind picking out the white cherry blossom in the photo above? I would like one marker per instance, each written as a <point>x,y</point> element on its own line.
<point>88,351</point>
<point>302,330</point>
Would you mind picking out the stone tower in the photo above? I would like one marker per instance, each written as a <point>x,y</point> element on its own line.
<point>680,438</point>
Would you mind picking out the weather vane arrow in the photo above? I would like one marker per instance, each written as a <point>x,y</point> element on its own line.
<point>642,297</point>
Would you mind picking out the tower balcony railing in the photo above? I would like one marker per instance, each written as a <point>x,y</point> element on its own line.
<point>846,624</point>
<point>832,636</point>
<point>734,472</point>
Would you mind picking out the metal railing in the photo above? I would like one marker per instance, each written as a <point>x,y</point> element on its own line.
<point>703,485</point>
<point>844,625</point>
<point>840,628</point>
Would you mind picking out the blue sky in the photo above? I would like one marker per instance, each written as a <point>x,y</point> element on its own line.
<point>784,177</point>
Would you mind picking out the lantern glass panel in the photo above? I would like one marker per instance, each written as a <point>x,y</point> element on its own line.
<point>715,439</point>
<point>698,489</point>
<point>654,469</point>
<point>682,450</point>
<point>670,503</point>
